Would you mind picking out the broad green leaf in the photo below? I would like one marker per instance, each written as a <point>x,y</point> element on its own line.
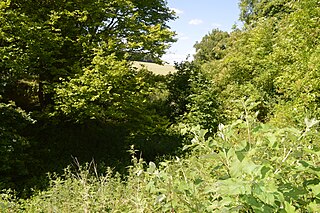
<point>272,139</point>
<point>233,186</point>
<point>315,189</point>
<point>289,208</point>
<point>266,196</point>
<point>251,168</point>
<point>313,206</point>
<point>198,181</point>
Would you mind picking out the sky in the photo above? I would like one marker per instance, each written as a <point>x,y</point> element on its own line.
<point>196,18</point>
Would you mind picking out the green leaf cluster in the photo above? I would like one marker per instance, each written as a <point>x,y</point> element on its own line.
<point>272,61</point>
<point>67,64</point>
<point>247,166</point>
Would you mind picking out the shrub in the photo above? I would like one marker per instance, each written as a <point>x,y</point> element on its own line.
<point>246,167</point>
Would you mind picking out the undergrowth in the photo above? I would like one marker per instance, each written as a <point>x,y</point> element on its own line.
<point>246,166</point>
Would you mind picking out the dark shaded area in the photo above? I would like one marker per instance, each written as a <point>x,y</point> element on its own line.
<point>51,146</point>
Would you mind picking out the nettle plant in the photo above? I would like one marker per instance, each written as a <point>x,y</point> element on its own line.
<point>260,168</point>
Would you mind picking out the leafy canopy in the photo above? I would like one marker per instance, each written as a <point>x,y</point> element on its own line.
<point>42,41</point>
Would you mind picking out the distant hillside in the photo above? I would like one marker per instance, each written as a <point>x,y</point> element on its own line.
<point>155,68</point>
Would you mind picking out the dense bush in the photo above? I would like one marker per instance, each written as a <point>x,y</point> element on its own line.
<point>17,158</point>
<point>247,166</point>
<point>67,65</point>
<point>274,60</point>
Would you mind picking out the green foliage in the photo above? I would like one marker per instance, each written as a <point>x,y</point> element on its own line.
<point>273,61</point>
<point>203,106</point>
<point>299,79</point>
<point>211,47</point>
<point>136,27</point>
<point>65,63</point>
<point>246,167</point>
<point>17,160</point>
<point>253,10</point>
<point>42,41</point>
<point>111,92</point>
<point>179,86</point>
<point>98,93</point>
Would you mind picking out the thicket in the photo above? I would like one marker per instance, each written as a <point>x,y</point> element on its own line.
<point>246,167</point>
<point>273,60</point>
<point>244,112</point>
<point>68,90</point>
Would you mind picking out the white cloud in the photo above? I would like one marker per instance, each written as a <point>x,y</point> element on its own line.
<point>195,21</point>
<point>177,11</point>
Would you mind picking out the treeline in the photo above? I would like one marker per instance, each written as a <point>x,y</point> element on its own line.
<point>273,62</point>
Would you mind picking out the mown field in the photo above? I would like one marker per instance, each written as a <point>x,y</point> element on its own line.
<point>155,68</point>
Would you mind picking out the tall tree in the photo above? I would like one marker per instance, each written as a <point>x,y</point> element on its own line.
<point>43,41</point>
<point>252,10</point>
<point>68,60</point>
<point>211,47</point>
<point>272,62</point>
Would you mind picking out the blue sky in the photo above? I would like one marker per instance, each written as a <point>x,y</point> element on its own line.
<point>196,19</point>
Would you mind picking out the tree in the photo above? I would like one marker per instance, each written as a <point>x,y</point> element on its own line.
<point>43,41</point>
<point>135,26</point>
<point>179,86</point>
<point>65,65</point>
<point>252,10</point>
<point>272,63</point>
<point>211,47</point>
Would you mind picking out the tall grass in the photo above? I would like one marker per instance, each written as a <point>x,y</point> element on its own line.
<point>246,167</point>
